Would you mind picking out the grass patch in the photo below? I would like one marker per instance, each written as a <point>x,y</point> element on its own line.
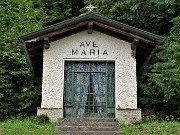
<point>154,128</point>
<point>25,127</point>
<point>31,127</point>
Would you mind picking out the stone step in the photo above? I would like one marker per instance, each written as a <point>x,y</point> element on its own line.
<point>88,133</point>
<point>88,119</point>
<point>85,123</point>
<point>85,128</point>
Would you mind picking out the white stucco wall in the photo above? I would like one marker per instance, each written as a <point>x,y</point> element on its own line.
<point>61,50</point>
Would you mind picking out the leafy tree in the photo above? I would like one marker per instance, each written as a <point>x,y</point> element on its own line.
<point>139,13</point>
<point>57,11</point>
<point>16,90</point>
<point>159,85</point>
<point>161,91</point>
<point>19,94</point>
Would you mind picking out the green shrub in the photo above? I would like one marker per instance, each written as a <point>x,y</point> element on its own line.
<point>42,119</point>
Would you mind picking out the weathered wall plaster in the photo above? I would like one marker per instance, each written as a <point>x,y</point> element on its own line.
<point>128,115</point>
<point>52,113</point>
<point>65,48</point>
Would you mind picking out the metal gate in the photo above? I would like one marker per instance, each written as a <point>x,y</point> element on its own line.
<point>89,89</point>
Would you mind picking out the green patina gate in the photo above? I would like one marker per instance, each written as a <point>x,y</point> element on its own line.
<point>89,89</point>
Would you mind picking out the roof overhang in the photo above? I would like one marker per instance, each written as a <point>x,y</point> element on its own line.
<point>146,44</point>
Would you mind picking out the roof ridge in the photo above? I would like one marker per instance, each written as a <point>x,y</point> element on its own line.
<point>100,18</point>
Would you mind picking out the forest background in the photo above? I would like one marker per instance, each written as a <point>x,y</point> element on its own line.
<point>158,85</point>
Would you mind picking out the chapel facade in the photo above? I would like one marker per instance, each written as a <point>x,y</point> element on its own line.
<point>89,66</point>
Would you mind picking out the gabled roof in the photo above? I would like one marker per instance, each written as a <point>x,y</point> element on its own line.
<point>33,43</point>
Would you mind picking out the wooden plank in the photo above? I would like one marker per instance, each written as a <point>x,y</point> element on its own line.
<point>123,32</point>
<point>46,43</point>
<point>149,57</point>
<point>37,42</point>
<point>35,49</point>
<point>104,26</point>
<point>28,58</point>
<point>66,29</point>
<point>37,61</point>
<point>36,55</point>
<point>133,47</point>
<point>150,42</point>
<point>90,27</point>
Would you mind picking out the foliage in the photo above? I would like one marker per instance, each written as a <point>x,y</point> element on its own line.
<point>57,11</point>
<point>161,82</point>
<point>159,85</point>
<point>17,91</point>
<point>156,127</point>
<point>42,119</point>
<point>139,13</point>
<point>25,127</point>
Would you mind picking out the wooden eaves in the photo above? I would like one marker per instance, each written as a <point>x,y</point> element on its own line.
<point>146,45</point>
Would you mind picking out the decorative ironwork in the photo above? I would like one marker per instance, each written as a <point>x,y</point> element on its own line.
<point>89,89</point>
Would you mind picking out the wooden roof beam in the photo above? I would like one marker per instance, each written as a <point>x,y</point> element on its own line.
<point>134,47</point>
<point>35,49</point>
<point>90,27</point>
<point>66,29</point>
<point>149,57</point>
<point>46,43</point>
<point>36,55</point>
<point>120,31</point>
